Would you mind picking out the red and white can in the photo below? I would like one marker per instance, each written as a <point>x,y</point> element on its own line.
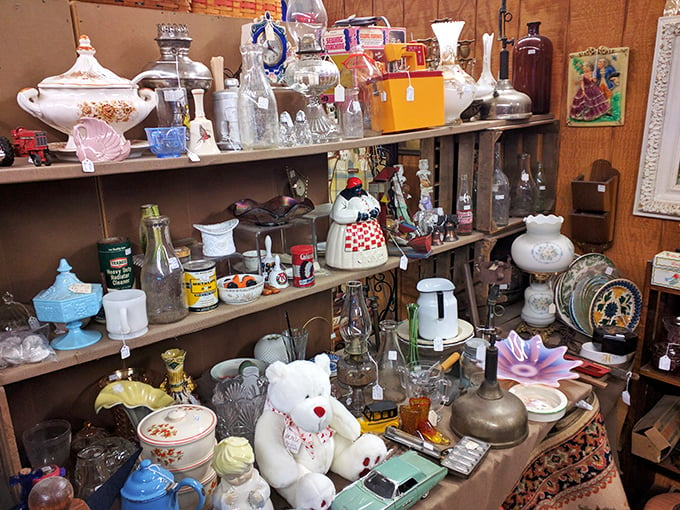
<point>303,265</point>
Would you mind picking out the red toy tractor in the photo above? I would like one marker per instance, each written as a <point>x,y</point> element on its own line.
<point>32,144</point>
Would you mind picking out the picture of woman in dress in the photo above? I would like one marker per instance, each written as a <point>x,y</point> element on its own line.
<point>589,102</point>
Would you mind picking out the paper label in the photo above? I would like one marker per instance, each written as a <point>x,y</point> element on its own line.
<point>292,441</point>
<point>467,207</point>
<point>193,156</point>
<point>500,197</point>
<point>392,355</point>
<point>339,94</point>
<point>410,94</point>
<point>625,396</point>
<point>124,352</point>
<point>541,187</point>
<point>128,251</point>
<point>551,308</point>
<point>608,271</point>
<point>263,103</point>
<point>481,353</point>
<point>88,166</point>
<point>531,52</point>
<point>377,392</point>
<point>173,95</point>
<point>269,32</point>
<point>383,96</point>
<point>601,188</point>
<point>81,288</point>
<point>403,262</point>
<point>173,262</point>
<point>438,344</point>
<point>664,363</point>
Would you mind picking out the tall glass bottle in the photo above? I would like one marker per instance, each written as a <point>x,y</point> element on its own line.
<point>464,207</point>
<point>258,117</point>
<point>523,195</point>
<point>162,275</point>
<point>146,211</point>
<point>356,370</point>
<point>532,67</point>
<point>351,116</point>
<point>391,363</point>
<point>542,198</point>
<point>500,189</point>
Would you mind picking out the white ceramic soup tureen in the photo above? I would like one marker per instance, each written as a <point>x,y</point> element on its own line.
<point>88,90</point>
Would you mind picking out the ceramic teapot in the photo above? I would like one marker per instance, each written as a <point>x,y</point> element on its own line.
<point>437,309</point>
<point>88,90</point>
<point>150,487</point>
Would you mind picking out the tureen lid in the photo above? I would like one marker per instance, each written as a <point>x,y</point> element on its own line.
<point>147,482</point>
<point>86,72</point>
<point>177,425</point>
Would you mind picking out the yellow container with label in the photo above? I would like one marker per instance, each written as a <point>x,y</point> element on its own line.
<point>412,100</point>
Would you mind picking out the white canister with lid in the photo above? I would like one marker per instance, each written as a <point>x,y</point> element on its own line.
<point>437,309</point>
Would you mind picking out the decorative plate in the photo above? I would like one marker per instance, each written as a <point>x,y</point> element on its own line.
<point>617,303</point>
<point>137,148</point>
<point>465,331</point>
<point>543,403</point>
<point>530,362</point>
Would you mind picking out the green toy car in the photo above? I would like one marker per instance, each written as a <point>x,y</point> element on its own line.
<point>397,483</point>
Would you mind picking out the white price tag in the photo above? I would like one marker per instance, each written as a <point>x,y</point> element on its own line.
<point>124,352</point>
<point>292,441</point>
<point>541,187</point>
<point>128,251</point>
<point>339,93</point>
<point>625,396</point>
<point>263,103</point>
<point>403,262</point>
<point>193,156</point>
<point>410,94</point>
<point>438,344</point>
<point>608,271</point>
<point>269,32</point>
<point>500,197</point>
<point>383,96</point>
<point>81,288</point>
<point>551,308</point>
<point>392,355</point>
<point>173,94</point>
<point>531,52</point>
<point>88,166</point>
<point>601,188</point>
<point>664,363</point>
<point>377,392</point>
<point>467,207</point>
<point>174,262</point>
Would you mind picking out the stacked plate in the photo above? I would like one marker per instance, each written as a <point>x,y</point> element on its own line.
<point>590,293</point>
<point>426,348</point>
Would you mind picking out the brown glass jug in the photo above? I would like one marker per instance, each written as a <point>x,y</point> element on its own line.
<point>532,68</point>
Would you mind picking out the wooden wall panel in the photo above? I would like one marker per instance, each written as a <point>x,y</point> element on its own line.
<point>335,9</point>
<point>359,8</point>
<point>393,10</point>
<point>418,16</point>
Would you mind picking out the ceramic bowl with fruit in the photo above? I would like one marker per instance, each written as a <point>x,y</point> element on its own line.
<point>239,289</point>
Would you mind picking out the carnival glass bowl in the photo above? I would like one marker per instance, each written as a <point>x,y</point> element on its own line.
<point>276,211</point>
<point>531,362</point>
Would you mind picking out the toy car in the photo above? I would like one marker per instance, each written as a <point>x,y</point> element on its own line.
<point>6,152</point>
<point>33,144</point>
<point>378,416</point>
<point>397,483</point>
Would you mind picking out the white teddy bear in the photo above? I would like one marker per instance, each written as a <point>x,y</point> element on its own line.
<point>304,432</point>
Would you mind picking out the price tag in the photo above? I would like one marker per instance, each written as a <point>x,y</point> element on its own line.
<point>438,344</point>
<point>601,188</point>
<point>664,363</point>
<point>608,271</point>
<point>171,95</point>
<point>467,207</point>
<point>392,355</point>
<point>551,308</point>
<point>339,93</point>
<point>480,354</point>
<point>541,187</point>
<point>173,262</point>
<point>81,288</point>
<point>377,392</point>
<point>193,156</point>
<point>625,396</point>
<point>263,103</point>
<point>33,322</point>
<point>383,96</point>
<point>124,352</point>
<point>500,197</point>
<point>403,262</point>
<point>269,32</point>
<point>410,94</point>
<point>88,166</point>
<point>292,441</point>
<point>531,52</point>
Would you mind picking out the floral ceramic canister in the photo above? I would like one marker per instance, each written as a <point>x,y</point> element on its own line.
<point>543,249</point>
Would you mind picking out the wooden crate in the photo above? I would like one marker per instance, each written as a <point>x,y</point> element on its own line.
<point>166,5</point>
<point>238,8</point>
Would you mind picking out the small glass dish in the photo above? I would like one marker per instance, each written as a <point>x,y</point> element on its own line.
<point>276,211</point>
<point>531,362</point>
<point>167,142</point>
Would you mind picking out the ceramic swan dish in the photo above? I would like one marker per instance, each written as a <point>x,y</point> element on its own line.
<point>97,141</point>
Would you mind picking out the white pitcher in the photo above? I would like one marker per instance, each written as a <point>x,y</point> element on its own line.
<point>437,309</point>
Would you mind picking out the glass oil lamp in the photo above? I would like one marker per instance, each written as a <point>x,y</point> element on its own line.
<point>311,72</point>
<point>357,369</point>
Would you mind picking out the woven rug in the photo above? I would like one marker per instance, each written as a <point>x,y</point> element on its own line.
<point>572,469</point>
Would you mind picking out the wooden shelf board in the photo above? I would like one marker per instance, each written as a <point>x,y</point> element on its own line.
<point>23,171</point>
<point>650,372</point>
<point>199,321</point>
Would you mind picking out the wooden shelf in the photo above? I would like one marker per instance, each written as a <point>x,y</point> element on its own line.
<point>195,322</point>
<point>649,371</point>
<point>25,172</point>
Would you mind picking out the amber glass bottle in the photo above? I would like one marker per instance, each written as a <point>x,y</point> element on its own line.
<point>532,67</point>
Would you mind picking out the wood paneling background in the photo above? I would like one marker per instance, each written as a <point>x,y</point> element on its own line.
<point>572,25</point>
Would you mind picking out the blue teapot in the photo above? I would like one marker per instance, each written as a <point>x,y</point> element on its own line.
<point>150,487</point>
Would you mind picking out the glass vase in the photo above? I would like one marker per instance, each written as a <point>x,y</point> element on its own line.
<point>459,87</point>
<point>162,275</point>
<point>500,189</point>
<point>391,363</point>
<point>532,68</point>
<point>361,72</point>
<point>523,195</point>
<point>257,111</point>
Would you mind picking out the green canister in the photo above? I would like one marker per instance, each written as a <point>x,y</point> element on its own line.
<point>115,262</point>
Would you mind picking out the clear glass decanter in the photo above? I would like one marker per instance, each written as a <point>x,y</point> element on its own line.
<point>391,363</point>
<point>523,196</point>
<point>257,112</point>
<point>356,369</point>
<point>162,275</point>
<point>500,189</point>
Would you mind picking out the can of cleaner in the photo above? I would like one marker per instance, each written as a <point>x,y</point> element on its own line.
<point>115,262</point>
<point>200,281</point>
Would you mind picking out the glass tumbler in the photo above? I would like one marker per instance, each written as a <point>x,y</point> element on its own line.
<point>48,443</point>
<point>90,471</point>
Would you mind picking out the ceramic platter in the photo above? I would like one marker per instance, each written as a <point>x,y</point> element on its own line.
<point>616,303</point>
<point>583,267</point>
<point>137,148</point>
<point>465,332</point>
<point>543,403</point>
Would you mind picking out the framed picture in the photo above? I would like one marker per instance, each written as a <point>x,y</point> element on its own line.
<point>658,187</point>
<point>596,95</point>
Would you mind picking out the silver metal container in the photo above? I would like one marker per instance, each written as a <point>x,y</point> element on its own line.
<point>225,104</point>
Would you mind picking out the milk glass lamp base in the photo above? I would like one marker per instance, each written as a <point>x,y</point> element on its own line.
<point>76,338</point>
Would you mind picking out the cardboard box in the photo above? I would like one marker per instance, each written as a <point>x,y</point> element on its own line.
<point>658,431</point>
<point>666,269</point>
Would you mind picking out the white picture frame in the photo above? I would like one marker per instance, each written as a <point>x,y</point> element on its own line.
<point>658,187</point>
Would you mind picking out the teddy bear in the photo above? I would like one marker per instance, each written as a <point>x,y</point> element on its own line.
<point>304,432</point>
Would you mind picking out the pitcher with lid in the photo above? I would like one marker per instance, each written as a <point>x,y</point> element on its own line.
<point>437,309</point>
